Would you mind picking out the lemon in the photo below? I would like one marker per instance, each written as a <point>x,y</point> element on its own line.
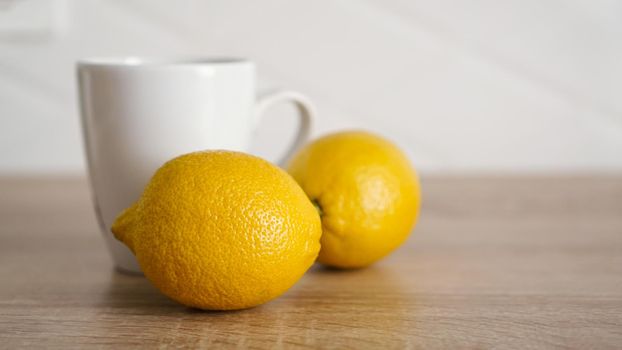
<point>221,230</point>
<point>366,191</point>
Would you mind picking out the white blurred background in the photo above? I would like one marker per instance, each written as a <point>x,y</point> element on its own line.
<point>464,86</point>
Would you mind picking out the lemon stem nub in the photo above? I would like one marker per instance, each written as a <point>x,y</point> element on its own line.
<point>123,226</point>
<point>317,206</point>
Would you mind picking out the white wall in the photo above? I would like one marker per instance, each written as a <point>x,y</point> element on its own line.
<point>480,85</point>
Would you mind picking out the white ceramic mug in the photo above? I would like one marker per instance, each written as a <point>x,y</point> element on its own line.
<point>138,113</point>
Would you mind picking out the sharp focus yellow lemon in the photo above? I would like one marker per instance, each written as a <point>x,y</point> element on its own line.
<point>221,230</point>
<point>367,192</point>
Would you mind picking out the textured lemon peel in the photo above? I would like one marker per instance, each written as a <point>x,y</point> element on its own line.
<point>369,195</point>
<point>222,230</point>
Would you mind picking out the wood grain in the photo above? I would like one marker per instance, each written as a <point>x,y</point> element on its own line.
<point>494,263</point>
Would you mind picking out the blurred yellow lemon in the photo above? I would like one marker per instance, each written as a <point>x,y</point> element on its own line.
<point>221,230</point>
<point>366,191</point>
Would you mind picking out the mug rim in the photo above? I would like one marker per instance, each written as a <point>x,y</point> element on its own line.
<point>155,61</point>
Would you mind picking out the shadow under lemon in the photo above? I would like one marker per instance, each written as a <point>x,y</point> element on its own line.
<point>320,284</point>
<point>361,298</point>
<point>134,292</point>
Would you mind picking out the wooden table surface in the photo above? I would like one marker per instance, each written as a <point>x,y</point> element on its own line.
<point>506,263</point>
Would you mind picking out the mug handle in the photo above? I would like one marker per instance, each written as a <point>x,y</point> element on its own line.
<point>306,113</point>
